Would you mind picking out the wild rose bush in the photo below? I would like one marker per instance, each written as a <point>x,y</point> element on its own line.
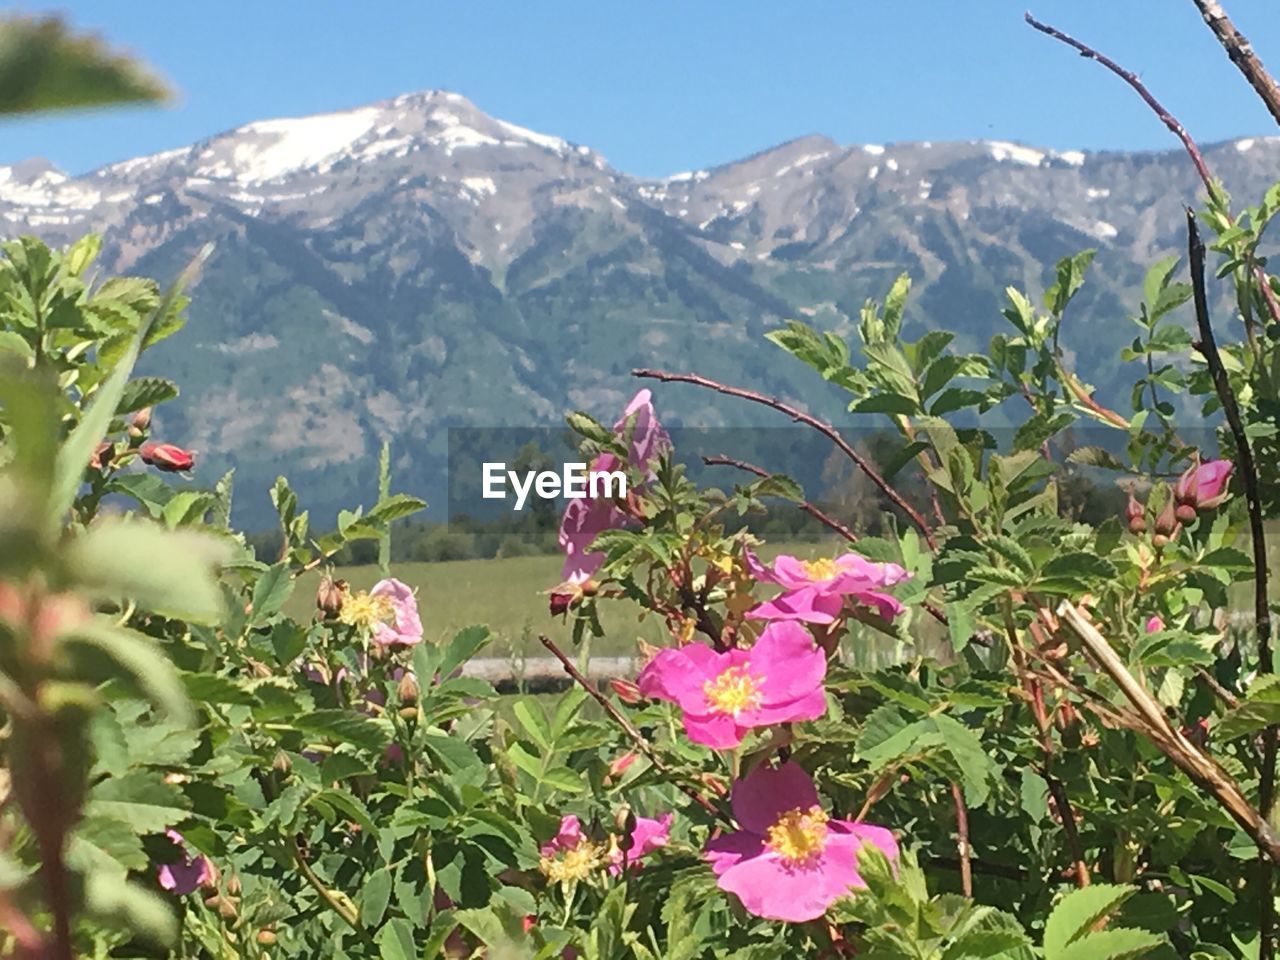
<point>994,732</point>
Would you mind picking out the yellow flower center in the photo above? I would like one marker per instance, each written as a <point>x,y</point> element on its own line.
<point>362,610</point>
<point>799,835</point>
<point>733,691</point>
<point>576,863</point>
<point>823,569</point>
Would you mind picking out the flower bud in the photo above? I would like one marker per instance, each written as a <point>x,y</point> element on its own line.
<point>212,876</point>
<point>626,691</point>
<point>625,821</point>
<point>1135,515</point>
<point>266,938</point>
<point>561,601</point>
<point>140,423</point>
<point>282,763</point>
<point>1185,513</point>
<point>167,457</point>
<point>1167,525</point>
<point>1154,624</point>
<point>234,886</point>
<point>407,691</point>
<point>103,454</point>
<point>1203,486</point>
<point>620,765</point>
<point>330,596</point>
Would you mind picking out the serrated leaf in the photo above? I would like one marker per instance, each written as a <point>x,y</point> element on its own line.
<point>1077,912</point>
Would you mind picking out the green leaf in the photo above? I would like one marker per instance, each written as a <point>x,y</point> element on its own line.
<point>1110,945</point>
<point>142,657</point>
<point>347,727</point>
<point>140,799</point>
<point>395,941</point>
<point>165,571</point>
<point>271,592</point>
<point>1260,709</point>
<point>374,897</point>
<point>146,392</point>
<point>1077,912</point>
<point>45,66</point>
<point>534,722</point>
<point>129,904</point>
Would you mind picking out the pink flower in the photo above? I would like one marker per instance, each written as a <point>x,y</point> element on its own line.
<point>186,874</point>
<point>570,837</point>
<point>585,519</point>
<point>648,836</point>
<point>1203,486</point>
<point>646,438</point>
<point>814,591</point>
<point>389,612</point>
<point>588,517</point>
<point>790,861</point>
<point>1154,625</point>
<point>723,695</point>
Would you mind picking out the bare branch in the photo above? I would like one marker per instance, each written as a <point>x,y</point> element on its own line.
<point>1131,78</point>
<point>799,416</point>
<point>1241,53</point>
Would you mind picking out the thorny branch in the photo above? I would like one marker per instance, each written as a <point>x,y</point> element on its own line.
<point>799,416</point>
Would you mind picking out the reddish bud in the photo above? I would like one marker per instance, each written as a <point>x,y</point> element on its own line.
<point>620,765</point>
<point>1167,521</point>
<point>167,457</point>
<point>266,938</point>
<point>1135,514</point>
<point>529,922</point>
<point>626,691</point>
<point>1185,512</point>
<point>561,601</point>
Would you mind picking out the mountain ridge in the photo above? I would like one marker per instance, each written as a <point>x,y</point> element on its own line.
<point>406,266</point>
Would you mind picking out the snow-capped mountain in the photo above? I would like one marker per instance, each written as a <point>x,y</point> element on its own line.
<point>414,264</point>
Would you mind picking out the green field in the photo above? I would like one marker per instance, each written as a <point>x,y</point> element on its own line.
<point>510,597</point>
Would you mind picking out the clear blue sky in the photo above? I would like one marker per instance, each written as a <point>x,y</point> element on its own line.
<point>669,85</point>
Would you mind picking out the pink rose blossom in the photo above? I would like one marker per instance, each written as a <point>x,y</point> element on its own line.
<point>586,518</point>
<point>814,591</point>
<point>790,861</point>
<point>187,873</point>
<point>649,834</point>
<point>723,695</point>
<point>405,627</point>
<point>1204,485</point>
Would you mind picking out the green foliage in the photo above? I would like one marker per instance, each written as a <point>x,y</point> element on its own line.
<point>45,66</point>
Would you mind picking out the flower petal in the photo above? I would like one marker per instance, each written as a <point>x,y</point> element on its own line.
<point>790,662</point>
<point>806,604</point>
<point>766,793</point>
<point>769,887</point>
<point>724,851</point>
<point>718,730</point>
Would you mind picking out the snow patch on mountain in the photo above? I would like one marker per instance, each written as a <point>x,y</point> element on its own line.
<point>288,146</point>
